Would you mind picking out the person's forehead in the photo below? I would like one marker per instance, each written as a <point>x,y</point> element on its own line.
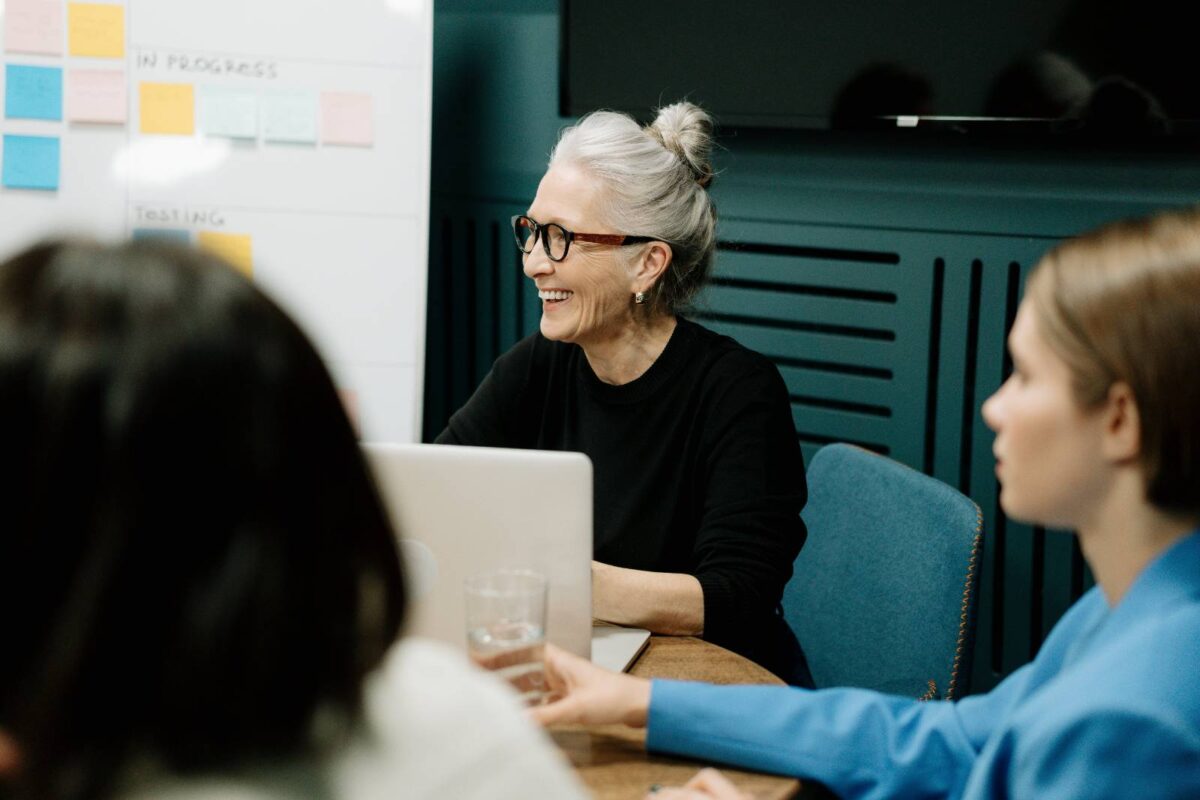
<point>1027,344</point>
<point>566,195</point>
<point>1019,338</point>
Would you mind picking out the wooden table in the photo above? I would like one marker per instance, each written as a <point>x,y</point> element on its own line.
<point>612,760</point>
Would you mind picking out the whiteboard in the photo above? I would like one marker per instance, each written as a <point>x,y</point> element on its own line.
<point>328,213</point>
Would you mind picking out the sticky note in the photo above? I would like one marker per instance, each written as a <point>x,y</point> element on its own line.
<point>289,116</point>
<point>96,95</point>
<point>233,247</point>
<point>30,162</point>
<point>33,92</point>
<point>96,30</point>
<point>167,108</point>
<point>162,234</point>
<point>346,118</point>
<point>33,26</point>
<point>228,112</point>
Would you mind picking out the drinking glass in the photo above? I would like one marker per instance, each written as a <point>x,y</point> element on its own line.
<point>506,627</point>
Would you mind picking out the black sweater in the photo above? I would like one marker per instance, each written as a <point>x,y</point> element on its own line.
<point>696,467</point>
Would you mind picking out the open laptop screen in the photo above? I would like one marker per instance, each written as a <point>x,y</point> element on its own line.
<point>463,510</point>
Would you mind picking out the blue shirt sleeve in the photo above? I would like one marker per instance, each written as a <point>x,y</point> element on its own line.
<point>859,743</point>
<point>1094,753</point>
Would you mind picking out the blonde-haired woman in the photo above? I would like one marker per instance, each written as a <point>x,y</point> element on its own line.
<point>699,479</point>
<point>1098,431</point>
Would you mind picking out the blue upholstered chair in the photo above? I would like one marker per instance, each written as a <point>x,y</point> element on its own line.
<point>883,592</point>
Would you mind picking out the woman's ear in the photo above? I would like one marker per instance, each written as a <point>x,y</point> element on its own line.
<point>1122,424</point>
<point>651,266</point>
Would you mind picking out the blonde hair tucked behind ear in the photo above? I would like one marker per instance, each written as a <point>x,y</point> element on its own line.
<point>1122,304</point>
<point>655,182</point>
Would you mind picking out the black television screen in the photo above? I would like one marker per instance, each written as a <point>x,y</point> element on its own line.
<point>1107,66</point>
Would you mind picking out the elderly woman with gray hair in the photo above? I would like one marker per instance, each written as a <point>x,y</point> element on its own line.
<point>699,480</point>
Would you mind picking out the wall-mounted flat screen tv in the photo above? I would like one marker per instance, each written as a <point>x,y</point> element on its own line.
<point>1105,66</point>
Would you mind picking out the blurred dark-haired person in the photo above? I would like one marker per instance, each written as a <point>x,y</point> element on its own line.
<point>1097,431</point>
<point>201,589</point>
<point>699,480</point>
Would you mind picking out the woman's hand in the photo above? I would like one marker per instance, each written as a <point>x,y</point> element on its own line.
<point>581,692</point>
<point>707,784</point>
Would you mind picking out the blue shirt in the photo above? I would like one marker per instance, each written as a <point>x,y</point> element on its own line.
<point>1109,708</point>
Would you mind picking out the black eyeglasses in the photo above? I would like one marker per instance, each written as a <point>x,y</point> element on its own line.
<point>556,240</point>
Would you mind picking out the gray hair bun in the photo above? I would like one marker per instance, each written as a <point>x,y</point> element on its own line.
<point>687,131</point>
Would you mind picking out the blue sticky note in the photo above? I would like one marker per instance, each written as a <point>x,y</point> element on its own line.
<point>33,92</point>
<point>30,162</point>
<point>289,116</point>
<point>176,235</point>
<point>228,112</point>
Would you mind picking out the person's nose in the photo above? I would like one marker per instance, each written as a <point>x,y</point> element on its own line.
<point>535,262</point>
<point>993,408</point>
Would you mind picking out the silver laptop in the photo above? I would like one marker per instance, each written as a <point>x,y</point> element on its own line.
<point>463,510</point>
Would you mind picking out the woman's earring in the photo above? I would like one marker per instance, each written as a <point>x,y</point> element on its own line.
<point>639,298</point>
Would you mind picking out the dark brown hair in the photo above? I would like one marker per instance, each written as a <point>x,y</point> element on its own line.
<point>194,560</point>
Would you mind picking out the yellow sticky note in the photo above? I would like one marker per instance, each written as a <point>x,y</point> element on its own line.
<point>167,108</point>
<point>233,247</point>
<point>96,30</point>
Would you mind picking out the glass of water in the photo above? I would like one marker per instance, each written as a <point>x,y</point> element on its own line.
<point>506,627</point>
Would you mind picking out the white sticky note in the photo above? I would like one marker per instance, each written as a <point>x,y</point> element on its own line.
<point>228,112</point>
<point>33,26</point>
<point>289,116</point>
<point>97,95</point>
<point>347,118</point>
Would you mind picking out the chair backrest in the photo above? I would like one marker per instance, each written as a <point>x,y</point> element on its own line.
<point>883,593</point>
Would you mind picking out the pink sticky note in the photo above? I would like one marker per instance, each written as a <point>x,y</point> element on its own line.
<point>346,118</point>
<point>33,26</point>
<point>97,95</point>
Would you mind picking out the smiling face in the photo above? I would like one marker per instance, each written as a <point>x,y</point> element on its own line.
<point>587,298</point>
<point>1049,451</point>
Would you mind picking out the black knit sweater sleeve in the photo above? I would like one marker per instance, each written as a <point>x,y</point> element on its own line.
<point>754,488</point>
<point>501,409</point>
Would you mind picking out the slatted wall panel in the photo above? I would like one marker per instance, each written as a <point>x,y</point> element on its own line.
<point>843,316</point>
<point>890,339</point>
<point>479,302</point>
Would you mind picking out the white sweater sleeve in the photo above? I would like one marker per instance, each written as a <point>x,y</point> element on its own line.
<point>437,727</point>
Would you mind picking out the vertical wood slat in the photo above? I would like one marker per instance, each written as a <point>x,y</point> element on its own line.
<point>511,285</point>
<point>436,362</point>
<point>480,293</point>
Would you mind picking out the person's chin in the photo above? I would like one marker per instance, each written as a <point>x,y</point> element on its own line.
<point>1006,501</point>
<point>554,331</point>
<point>1014,509</point>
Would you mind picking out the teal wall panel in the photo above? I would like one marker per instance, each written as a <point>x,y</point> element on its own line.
<point>880,276</point>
